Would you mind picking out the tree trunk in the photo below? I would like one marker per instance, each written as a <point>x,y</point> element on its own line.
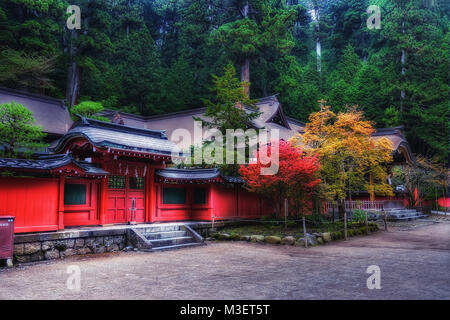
<point>245,75</point>
<point>73,73</point>
<point>245,64</point>
<point>402,61</point>
<point>73,84</point>
<point>318,44</point>
<point>341,208</point>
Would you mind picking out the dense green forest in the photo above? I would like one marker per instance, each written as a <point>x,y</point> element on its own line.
<point>157,56</point>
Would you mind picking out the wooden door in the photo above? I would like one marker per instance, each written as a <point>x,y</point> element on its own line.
<point>126,200</point>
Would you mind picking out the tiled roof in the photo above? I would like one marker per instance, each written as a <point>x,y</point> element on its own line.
<point>195,175</point>
<point>233,179</point>
<point>104,134</point>
<point>188,174</point>
<point>46,163</point>
<point>50,113</point>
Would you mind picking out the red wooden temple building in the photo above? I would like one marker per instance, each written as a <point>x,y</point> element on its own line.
<point>99,173</point>
<point>103,173</point>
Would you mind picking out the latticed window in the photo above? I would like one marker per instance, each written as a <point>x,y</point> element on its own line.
<point>116,182</point>
<point>136,183</point>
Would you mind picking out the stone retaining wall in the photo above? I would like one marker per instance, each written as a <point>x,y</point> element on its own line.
<point>49,246</point>
<point>60,244</point>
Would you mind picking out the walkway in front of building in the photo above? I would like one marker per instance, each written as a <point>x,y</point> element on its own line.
<point>414,265</point>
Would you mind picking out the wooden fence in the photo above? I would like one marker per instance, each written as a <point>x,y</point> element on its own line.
<point>377,205</point>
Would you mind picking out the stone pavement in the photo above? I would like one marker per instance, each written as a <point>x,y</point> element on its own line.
<point>414,263</point>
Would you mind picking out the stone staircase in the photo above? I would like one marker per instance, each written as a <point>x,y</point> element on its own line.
<point>400,214</point>
<point>164,237</point>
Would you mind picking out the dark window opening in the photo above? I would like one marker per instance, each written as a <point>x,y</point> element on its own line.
<point>136,183</point>
<point>75,193</point>
<point>116,182</point>
<point>200,196</point>
<point>174,195</point>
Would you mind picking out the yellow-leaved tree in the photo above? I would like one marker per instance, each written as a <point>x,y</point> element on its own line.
<point>351,159</point>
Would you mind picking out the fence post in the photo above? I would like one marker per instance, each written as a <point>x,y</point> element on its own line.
<point>345,225</point>
<point>285,212</point>
<point>213,227</point>
<point>304,233</point>
<point>385,222</point>
<point>367,224</point>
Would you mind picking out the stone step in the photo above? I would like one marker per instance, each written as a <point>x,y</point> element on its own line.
<point>178,246</point>
<point>401,211</point>
<point>419,215</point>
<point>171,241</point>
<point>164,234</point>
<point>161,228</point>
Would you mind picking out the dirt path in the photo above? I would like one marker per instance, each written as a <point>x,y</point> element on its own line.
<point>415,264</point>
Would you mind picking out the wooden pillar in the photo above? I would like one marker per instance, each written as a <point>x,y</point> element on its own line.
<point>211,201</point>
<point>61,203</point>
<point>103,199</point>
<point>150,195</point>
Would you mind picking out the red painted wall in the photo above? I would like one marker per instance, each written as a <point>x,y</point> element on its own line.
<point>444,202</point>
<point>186,211</point>
<point>235,202</point>
<point>87,214</point>
<point>33,201</point>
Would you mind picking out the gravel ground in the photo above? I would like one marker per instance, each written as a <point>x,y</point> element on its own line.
<point>414,263</point>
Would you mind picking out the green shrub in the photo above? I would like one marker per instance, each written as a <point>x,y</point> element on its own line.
<point>234,236</point>
<point>359,215</point>
<point>350,233</point>
<point>337,235</point>
<point>291,224</point>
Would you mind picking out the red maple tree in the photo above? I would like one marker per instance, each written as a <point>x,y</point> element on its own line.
<point>295,180</point>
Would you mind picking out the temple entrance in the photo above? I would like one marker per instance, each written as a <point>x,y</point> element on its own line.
<point>126,200</point>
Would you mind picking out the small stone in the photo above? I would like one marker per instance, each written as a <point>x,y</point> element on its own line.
<point>272,239</point>
<point>288,240</point>
<point>18,249</point>
<point>119,239</point>
<point>223,236</point>
<point>326,236</point>
<point>70,243</point>
<point>47,245</point>
<point>89,242</point>
<point>108,241</point>
<point>22,259</point>
<point>32,247</point>
<point>245,238</point>
<point>37,256</point>
<point>320,240</point>
<point>99,240</point>
<point>69,252</point>
<point>112,248</point>
<point>9,263</point>
<point>100,249</point>
<point>84,250</point>
<point>79,243</point>
<point>51,254</point>
<point>257,238</point>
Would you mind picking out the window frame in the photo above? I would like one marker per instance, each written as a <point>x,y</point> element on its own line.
<point>186,195</point>
<point>86,194</point>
